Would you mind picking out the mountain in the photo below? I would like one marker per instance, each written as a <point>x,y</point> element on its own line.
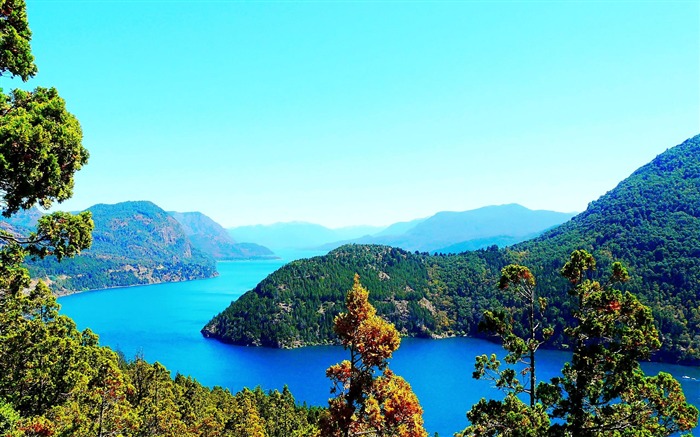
<point>133,243</point>
<point>297,235</point>
<point>399,228</point>
<point>650,222</point>
<point>454,232</point>
<point>22,221</point>
<point>483,243</point>
<point>211,238</point>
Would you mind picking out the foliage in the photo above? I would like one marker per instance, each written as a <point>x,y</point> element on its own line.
<point>603,391</point>
<point>16,57</point>
<point>54,379</point>
<point>40,149</point>
<point>57,380</point>
<point>511,416</point>
<point>650,221</point>
<point>508,418</point>
<point>40,142</point>
<point>365,404</point>
<point>521,350</point>
<point>134,243</point>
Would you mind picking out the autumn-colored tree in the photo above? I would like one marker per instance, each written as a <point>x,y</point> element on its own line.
<point>54,379</point>
<point>366,404</point>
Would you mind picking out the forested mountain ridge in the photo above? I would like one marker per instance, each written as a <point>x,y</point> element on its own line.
<point>650,222</point>
<point>211,238</point>
<point>133,243</point>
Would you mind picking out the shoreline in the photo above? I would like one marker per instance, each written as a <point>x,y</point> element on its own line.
<point>66,292</point>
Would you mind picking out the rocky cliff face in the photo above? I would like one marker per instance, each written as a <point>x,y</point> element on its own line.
<point>212,239</point>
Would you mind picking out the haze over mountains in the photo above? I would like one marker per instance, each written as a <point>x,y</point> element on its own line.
<point>650,222</point>
<point>448,232</point>
<point>138,243</point>
<point>454,232</point>
<point>211,238</point>
<point>297,235</point>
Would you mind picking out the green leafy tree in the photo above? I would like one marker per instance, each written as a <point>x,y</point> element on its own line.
<point>602,391</point>
<point>40,151</point>
<point>40,142</point>
<point>511,416</point>
<point>364,404</point>
<point>54,379</point>
<point>16,57</point>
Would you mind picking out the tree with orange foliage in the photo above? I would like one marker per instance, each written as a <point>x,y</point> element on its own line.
<point>364,404</point>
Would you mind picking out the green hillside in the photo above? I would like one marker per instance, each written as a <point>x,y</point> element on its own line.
<point>650,222</point>
<point>133,243</point>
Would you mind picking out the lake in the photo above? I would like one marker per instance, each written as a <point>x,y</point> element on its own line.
<point>162,322</point>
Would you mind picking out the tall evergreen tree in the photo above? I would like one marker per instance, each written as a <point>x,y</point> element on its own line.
<point>603,390</point>
<point>366,404</point>
<point>511,416</point>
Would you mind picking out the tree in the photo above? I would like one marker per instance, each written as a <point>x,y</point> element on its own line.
<point>365,404</point>
<point>40,151</point>
<point>602,391</point>
<point>511,416</point>
<point>16,57</point>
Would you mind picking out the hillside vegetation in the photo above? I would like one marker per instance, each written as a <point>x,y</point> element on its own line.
<point>133,243</point>
<point>650,222</point>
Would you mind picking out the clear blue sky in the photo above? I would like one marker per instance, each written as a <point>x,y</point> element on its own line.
<point>361,112</point>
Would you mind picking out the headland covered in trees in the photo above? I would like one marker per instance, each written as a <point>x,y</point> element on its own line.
<point>137,243</point>
<point>57,380</point>
<point>650,222</point>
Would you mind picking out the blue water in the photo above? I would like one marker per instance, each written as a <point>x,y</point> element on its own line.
<point>162,323</point>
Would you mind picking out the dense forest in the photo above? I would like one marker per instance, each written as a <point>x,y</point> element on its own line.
<point>57,380</point>
<point>650,222</point>
<point>133,243</point>
<point>54,379</point>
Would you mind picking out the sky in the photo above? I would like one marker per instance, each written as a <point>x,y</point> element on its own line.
<point>366,112</point>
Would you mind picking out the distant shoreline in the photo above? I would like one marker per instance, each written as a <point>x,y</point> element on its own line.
<point>64,292</point>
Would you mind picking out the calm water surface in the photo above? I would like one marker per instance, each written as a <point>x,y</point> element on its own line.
<point>162,323</point>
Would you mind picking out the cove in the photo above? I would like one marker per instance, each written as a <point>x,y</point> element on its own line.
<point>162,322</point>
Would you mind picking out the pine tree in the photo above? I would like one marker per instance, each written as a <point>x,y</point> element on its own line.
<point>366,404</point>
<point>603,390</point>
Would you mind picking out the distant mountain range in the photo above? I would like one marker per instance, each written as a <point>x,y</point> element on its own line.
<point>650,222</point>
<point>454,232</point>
<point>212,239</point>
<point>138,243</point>
<point>297,235</point>
<point>446,232</point>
